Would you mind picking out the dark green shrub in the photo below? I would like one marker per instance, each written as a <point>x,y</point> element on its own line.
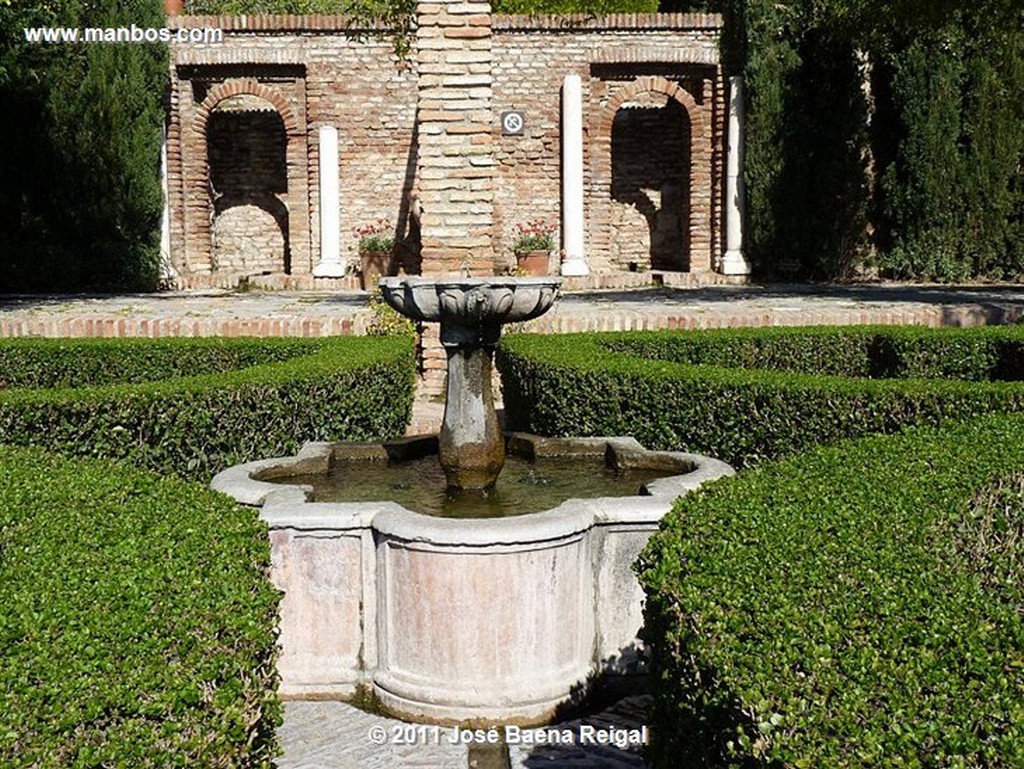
<point>854,606</point>
<point>234,7</point>
<point>575,6</point>
<point>348,388</point>
<point>49,363</point>
<point>953,197</point>
<point>80,135</point>
<point>690,391</point>
<point>138,625</point>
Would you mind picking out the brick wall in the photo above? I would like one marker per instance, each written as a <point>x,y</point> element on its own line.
<point>623,60</point>
<point>314,72</point>
<point>473,183</point>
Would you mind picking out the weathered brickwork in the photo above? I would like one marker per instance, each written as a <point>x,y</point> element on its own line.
<point>421,143</point>
<point>456,159</point>
<point>623,61</point>
<point>247,148</point>
<point>314,73</point>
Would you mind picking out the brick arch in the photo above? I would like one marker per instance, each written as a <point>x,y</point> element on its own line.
<point>700,158</point>
<point>198,176</point>
<point>251,88</point>
<point>653,84</point>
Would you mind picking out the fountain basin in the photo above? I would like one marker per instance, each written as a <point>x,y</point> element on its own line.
<point>454,620</point>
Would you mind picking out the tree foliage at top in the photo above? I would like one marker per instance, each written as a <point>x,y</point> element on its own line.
<point>882,134</point>
<point>80,134</point>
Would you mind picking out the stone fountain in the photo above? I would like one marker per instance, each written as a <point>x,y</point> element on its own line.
<point>499,620</point>
<point>471,312</point>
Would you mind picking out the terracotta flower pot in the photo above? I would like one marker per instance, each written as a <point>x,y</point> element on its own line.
<point>372,266</point>
<point>533,262</point>
<point>174,7</point>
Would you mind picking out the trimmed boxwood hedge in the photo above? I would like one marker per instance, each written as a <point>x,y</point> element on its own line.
<point>49,363</point>
<point>854,606</point>
<point>351,388</point>
<point>750,394</point>
<point>138,623</point>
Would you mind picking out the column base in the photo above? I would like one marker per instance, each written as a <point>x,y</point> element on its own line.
<point>734,263</point>
<point>330,270</point>
<point>575,267</point>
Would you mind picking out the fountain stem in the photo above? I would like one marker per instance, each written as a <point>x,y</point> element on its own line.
<point>471,312</point>
<point>472,447</point>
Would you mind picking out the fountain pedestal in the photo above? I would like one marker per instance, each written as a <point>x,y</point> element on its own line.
<point>471,443</point>
<point>471,312</point>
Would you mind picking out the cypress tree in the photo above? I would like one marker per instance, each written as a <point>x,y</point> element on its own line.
<point>953,193</point>
<point>922,185</point>
<point>87,189</point>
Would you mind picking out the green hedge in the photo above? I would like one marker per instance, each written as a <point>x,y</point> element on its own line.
<point>690,391</point>
<point>348,388</point>
<point>50,363</point>
<point>854,606</point>
<point>138,623</point>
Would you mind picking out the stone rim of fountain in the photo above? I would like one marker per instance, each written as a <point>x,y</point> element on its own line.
<point>357,611</point>
<point>289,504</point>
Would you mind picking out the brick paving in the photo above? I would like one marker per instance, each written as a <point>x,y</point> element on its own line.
<point>226,313</point>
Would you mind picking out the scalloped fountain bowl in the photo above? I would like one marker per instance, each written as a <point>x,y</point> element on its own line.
<point>471,312</point>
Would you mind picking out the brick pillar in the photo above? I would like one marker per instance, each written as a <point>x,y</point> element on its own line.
<point>433,360</point>
<point>456,146</point>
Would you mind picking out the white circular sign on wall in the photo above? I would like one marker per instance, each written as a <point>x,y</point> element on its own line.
<point>512,123</point>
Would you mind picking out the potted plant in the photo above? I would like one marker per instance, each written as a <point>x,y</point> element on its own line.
<point>532,246</point>
<point>376,249</point>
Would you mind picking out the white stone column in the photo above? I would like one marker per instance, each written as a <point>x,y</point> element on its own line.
<point>331,265</point>
<point>168,275</point>
<point>734,262</point>
<point>572,177</point>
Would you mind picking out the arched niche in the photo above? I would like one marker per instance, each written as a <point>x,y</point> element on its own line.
<point>248,191</point>
<point>247,146</point>
<point>650,178</point>
<point>651,150</point>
